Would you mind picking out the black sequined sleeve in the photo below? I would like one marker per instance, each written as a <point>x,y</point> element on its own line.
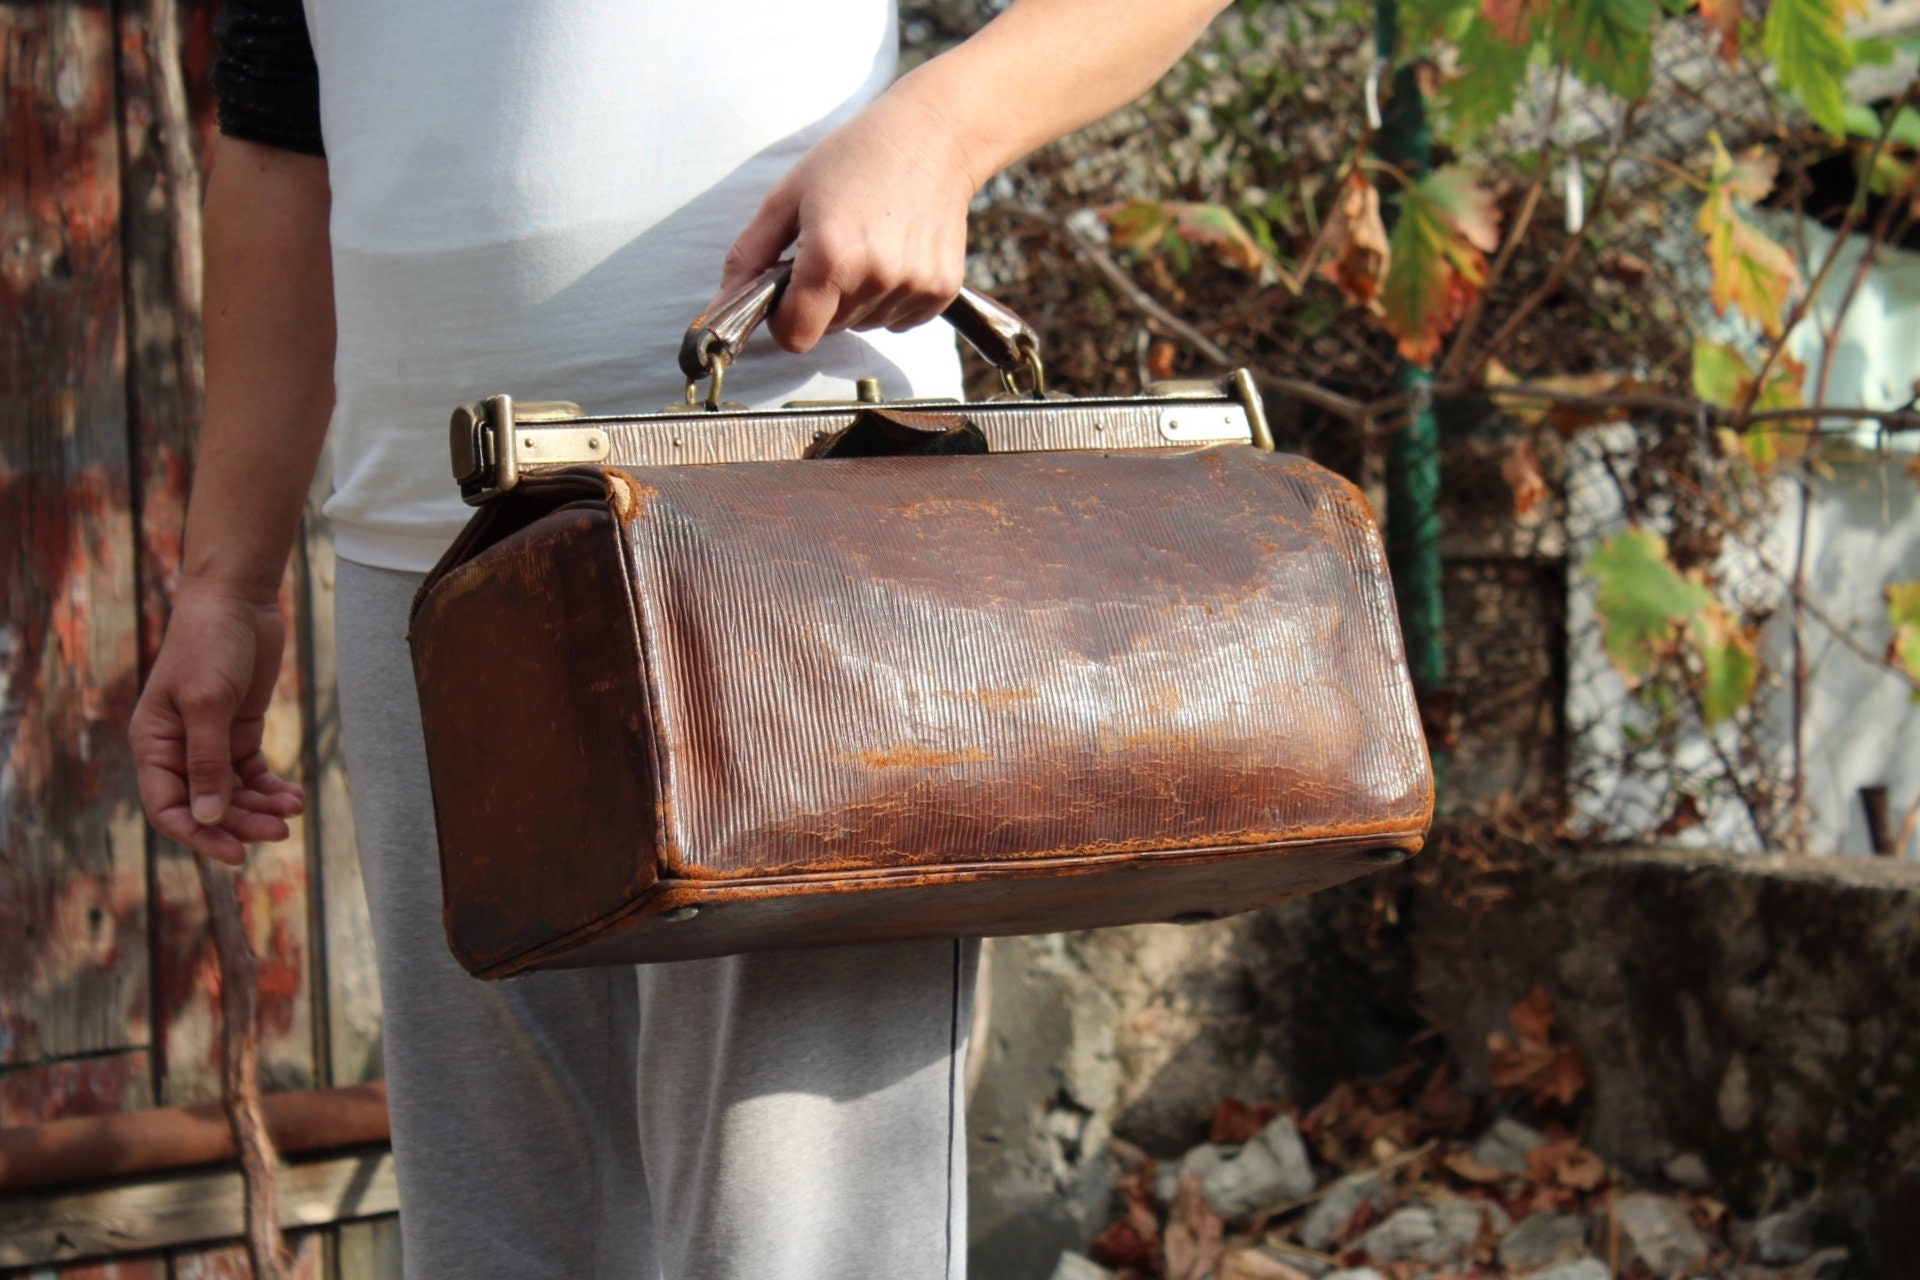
<point>265,77</point>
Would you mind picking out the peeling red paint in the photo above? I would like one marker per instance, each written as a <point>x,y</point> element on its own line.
<point>229,1262</point>
<point>81,1087</point>
<point>147,1267</point>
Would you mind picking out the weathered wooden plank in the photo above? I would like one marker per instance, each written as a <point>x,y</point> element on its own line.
<point>344,939</point>
<point>72,892</point>
<point>186,1209</point>
<point>90,1086</point>
<point>229,1262</point>
<point>150,1267</point>
<point>369,1250</point>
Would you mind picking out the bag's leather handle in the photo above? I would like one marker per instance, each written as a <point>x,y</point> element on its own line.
<point>717,335</point>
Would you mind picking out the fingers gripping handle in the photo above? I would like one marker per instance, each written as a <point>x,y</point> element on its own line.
<point>716,336</point>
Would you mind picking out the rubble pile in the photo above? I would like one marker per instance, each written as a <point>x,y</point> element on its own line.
<point>1406,1178</point>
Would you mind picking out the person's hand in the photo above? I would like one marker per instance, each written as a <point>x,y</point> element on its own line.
<point>876,214</point>
<point>204,780</point>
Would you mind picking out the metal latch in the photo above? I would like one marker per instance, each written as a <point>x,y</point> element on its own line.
<point>488,448</point>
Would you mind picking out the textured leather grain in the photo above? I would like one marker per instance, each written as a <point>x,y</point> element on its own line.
<point>685,711</point>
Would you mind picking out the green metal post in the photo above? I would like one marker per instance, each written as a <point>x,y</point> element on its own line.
<point>1413,452</point>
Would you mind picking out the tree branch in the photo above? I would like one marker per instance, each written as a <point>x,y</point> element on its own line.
<point>1561,265</point>
<point>1470,323</point>
<point>240,1073</point>
<point>1147,305</point>
<point>1856,210</point>
<point>1813,609</point>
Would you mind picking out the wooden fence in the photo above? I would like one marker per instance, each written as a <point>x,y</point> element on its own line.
<point>108,985</point>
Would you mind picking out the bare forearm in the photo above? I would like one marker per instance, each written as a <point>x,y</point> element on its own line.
<point>1047,67</point>
<point>269,359</point>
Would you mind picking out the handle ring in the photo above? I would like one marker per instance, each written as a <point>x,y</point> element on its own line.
<point>718,364</point>
<point>1029,361</point>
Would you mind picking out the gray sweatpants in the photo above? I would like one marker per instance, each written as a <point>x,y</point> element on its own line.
<point>784,1116</point>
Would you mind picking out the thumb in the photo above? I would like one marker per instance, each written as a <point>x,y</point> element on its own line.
<point>207,713</point>
<point>766,237</point>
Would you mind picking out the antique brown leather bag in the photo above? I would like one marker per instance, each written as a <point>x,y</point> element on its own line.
<point>716,680</point>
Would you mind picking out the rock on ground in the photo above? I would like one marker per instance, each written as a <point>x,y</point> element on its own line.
<point>1584,1269</point>
<point>1257,1263</point>
<point>1329,1213</point>
<point>1505,1146</point>
<point>1441,1232</point>
<point>1271,1170</point>
<point>1195,1164</point>
<point>1661,1232</point>
<point>1073,1266</point>
<point>1544,1238</point>
<point>1460,1221</point>
<point>1688,1170</point>
<point>1783,1239</point>
<point>1408,1233</point>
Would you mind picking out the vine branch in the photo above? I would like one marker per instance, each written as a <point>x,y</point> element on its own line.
<point>1568,253</point>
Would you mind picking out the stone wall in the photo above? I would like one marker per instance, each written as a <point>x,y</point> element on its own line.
<point>1761,1014</point>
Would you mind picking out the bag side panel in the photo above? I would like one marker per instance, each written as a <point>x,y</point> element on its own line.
<point>886,662</point>
<point>537,734</point>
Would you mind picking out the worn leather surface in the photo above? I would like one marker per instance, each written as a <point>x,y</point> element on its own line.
<point>840,699</point>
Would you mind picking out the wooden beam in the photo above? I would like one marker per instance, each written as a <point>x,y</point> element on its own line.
<point>73,947</point>
<point>187,1209</point>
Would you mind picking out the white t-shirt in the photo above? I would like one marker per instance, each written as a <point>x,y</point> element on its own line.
<point>535,198</point>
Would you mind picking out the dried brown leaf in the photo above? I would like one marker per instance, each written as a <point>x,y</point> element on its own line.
<point>1722,18</point>
<point>1686,813</point>
<point>1514,21</point>
<point>1235,1121</point>
<point>1521,471</point>
<point>1568,1164</point>
<point>1194,1232</point>
<point>1532,1062</point>
<point>1132,1241</point>
<point>1532,1017</point>
<point>1356,241</point>
<point>1462,1165</point>
<point>1441,1105</point>
<point>1255,1264</point>
<point>1160,359</point>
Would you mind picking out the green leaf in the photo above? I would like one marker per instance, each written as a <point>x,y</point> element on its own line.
<point>1423,22</point>
<point>1903,615</point>
<point>1729,664</point>
<point>1807,43</point>
<point>1489,79</point>
<point>1750,271</point>
<point>1175,228</point>
<point>1719,372</point>
<point>1642,600</point>
<point>1722,376</point>
<point>1437,258</point>
<point>1906,128</point>
<point>1890,175</point>
<point>1608,43</point>
<point>1874,51</point>
<point>1862,121</point>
